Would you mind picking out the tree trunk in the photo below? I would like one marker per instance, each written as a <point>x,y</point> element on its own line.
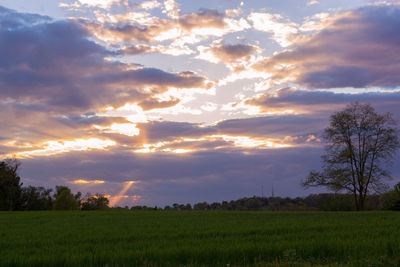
<point>362,202</point>
<point>356,202</point>
<point>359,201</point>
<point>10,207</point>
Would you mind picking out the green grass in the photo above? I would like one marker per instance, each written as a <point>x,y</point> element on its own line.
<point>168,238</point>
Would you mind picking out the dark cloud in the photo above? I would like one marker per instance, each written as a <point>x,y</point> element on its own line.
<point>138,49</point>
<point>149,104</point>
<point>51,73</point>
<point>152,77</point>
<point>258,127</point>
<point>125,30</point>
<point>323,102</point>
<point>358,49</point>
<point>10,19</point>
<point>131,33</point>
<point>273,126</point>
<point>168,130</point>
<point>30,127</point>
<point>89,120</point>
<point>232,53</point>
<point>54,63</point>
<point>204,18</point>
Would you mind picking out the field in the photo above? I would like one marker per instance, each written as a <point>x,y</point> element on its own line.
<point>170,238</point>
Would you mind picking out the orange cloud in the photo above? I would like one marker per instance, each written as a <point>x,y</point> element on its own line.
<point>82,181</point>
<point>55,147</point>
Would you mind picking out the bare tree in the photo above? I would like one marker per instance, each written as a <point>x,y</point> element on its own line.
<point>361,143</point>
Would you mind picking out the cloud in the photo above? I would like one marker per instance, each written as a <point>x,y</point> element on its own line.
<point>283,30</point>
<point>159,136</point>
<point>227,53</point>
<point>104,4</point>
<point>128,129</point>
<point>138,49</point>
<point>49,148</point>
<point>171,9</point>
<point>55,81</point>
<point>150,104</point>
<point>78,108</point>
<point>183,29</point>
<point>116,33</point>
<point>204,18</point>
<point>322,102</point>
<point>312,2</point>
<point>273,126</point>
<point>168,131</point>
<point>148,5</point>
<point>56,64</point>
<point>259,132</point>
<point>83,181</point>
<point>153,77</point>
<point>385,2</point>
<point>355,50</point>
<point>10,19</point>
<point>26,127</point>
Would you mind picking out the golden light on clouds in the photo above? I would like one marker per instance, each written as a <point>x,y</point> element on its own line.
<point>283,30</point>
<point>178,151</point>
<point>171,9</point>
<point>128,129</point>
<point>131,111</point>
<point>82,181</point>
<point>248,142</point>
<point>125,128</point>
<point>55,147</point>
<point>105,4</point>
<point>148,5</point>
<point>187,145</point>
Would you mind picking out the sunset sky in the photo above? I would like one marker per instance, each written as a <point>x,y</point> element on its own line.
<point>156,102</point>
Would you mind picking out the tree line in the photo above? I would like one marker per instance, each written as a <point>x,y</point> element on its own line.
<point>15,197</point>
<point>314,202</point>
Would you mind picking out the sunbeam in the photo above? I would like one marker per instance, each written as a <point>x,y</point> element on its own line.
<point>115,199</point>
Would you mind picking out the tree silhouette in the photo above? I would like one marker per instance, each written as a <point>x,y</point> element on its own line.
<point>64,199</point>
<point>10,186</point>
<point>36,198</point>
<point>360,144</point>
<point>96,202</point>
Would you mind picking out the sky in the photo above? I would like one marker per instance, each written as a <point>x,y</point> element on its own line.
<point>164,101</point>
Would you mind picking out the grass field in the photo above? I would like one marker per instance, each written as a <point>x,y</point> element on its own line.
<point>168,238</point>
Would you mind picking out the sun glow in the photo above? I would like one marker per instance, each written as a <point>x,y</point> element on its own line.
<point>55,147</point>
<point>128,129</point>
<point>177,151</point>
<point>248,142</point>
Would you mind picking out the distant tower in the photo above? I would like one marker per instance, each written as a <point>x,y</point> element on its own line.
<point>262,190</point>
<point>272,190</point>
